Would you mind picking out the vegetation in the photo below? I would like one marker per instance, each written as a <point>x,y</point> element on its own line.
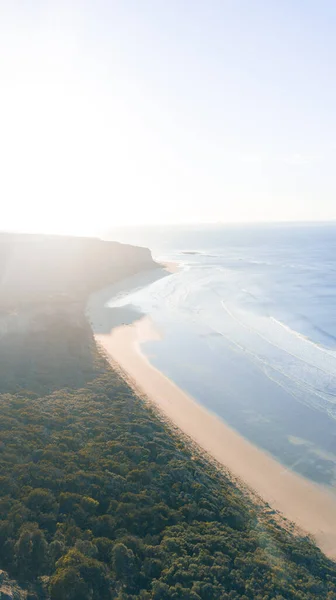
<point>100,500</point>
<point>51,350</point>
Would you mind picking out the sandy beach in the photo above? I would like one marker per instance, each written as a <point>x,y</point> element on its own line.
<point>310,506</point>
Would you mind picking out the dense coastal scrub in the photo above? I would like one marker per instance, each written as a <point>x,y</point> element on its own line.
<point>100,499</point>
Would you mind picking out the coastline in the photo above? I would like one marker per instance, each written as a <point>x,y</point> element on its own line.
<point>311,507</point>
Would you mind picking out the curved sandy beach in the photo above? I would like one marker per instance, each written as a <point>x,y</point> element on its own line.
<point>310,506</point>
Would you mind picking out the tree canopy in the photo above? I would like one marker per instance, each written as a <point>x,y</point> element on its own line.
<point>100,499</point>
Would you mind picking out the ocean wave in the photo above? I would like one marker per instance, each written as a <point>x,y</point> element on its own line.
<point>306,338</point>
<point>297,359</point>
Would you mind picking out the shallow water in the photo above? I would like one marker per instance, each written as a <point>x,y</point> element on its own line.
<point>249,329</point>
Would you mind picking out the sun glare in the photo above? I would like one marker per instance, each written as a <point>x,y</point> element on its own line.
<point>92,135</point>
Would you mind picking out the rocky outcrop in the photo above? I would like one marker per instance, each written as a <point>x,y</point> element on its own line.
<point>10,590</point>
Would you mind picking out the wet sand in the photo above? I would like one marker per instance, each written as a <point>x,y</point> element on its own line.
<point>311,507</point>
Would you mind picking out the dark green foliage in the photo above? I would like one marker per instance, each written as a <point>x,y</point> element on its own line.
<point>29,362</point>
<point>31,552</point>
<point>84,500</point>
<point>99,500</point>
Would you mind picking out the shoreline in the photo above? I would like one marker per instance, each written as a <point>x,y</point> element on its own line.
<point>311,507</point>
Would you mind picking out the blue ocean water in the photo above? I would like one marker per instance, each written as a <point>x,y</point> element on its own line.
<point>248,328</point>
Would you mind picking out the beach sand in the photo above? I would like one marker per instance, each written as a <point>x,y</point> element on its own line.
<point>309,506</point>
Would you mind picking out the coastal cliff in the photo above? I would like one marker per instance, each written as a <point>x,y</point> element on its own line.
<point>35,268</point>
<point>44,285</point>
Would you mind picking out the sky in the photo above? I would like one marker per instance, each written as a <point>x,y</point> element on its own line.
<point>128,112</point>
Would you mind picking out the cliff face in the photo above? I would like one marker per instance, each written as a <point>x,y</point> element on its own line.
<point>40,267</point>
<point>44,285</point>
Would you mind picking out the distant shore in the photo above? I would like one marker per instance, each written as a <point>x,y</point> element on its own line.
<point>311,507</point>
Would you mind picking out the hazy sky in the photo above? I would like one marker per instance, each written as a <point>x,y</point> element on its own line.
<point>145,111</point>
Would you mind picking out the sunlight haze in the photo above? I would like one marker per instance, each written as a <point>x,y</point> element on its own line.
<point>115,113</point>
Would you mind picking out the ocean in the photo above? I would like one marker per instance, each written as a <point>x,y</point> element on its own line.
<point>248,328</point>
